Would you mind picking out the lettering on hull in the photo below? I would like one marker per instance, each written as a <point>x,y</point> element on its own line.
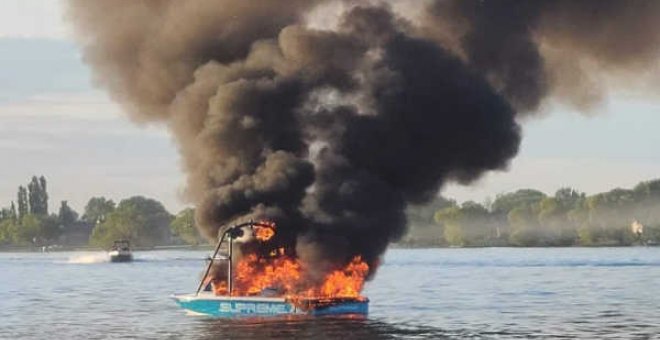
<point>254,308</point>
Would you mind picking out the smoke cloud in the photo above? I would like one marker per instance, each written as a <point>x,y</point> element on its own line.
<point>332,132</point>
<point>531,49</point>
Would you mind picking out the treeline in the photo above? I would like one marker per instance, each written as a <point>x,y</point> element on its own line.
<point>526,217</point>
<point>529,217</point>
<point>143,221</point>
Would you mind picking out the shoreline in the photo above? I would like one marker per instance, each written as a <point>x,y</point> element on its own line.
<point>406,246</point>
<point>30,249</point>
<point>210,248</point>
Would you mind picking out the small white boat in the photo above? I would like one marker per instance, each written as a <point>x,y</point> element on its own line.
<point>120,251</point>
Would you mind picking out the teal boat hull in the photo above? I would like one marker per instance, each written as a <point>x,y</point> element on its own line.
<point>224,306</point>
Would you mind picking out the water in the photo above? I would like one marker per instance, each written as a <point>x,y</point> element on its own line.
<point>490,293</point>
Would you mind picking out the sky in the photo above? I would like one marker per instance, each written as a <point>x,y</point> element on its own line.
<point>55,122</point>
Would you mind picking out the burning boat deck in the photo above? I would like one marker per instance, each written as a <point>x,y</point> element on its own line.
<point>262,285</point>
<point>233,306</point>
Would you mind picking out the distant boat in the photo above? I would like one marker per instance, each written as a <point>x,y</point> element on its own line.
<point>206,302</point>
<point>120,251</point>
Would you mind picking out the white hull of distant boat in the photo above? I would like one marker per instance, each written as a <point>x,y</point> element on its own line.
<point>120,256</point>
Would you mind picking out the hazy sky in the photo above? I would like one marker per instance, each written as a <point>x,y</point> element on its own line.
<point>54,122</point>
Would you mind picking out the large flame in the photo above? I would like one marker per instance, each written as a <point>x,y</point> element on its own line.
<point>276,273</point>
<point>347,282</point>
<point>285,276</point>
<point>254,275</point>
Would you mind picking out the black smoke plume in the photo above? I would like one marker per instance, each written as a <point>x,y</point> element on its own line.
<point>332,132</point>
<point>531,49</point>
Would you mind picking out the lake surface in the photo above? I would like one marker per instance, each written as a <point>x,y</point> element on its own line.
<point>486,293</point>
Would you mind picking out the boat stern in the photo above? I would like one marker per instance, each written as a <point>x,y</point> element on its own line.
<point>344,308</point>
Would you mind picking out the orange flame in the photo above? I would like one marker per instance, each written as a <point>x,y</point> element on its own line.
<point>219,287</point>
<point>278,274</point>
<point>283,276</point>
<point>347,282</point>
<point>263,233</point>
<point>254,275</point>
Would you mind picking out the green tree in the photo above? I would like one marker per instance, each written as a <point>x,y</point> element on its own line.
<point>12,213</point>
<point>43,198</point>
<point>609,214</point>
<point>423,215</point>
<point>524,226</point>
<point>648,190</point>
<point>555,226</point>
<point>568,198</point>
<point>586,235</point>
<point>647,207</point>
<point>38,196</point>
<point>122,223</point>
<point>469,225</point>
<point>183,226</point>
<point>23,207</point>
<point>422,227</point>
<point>7,230</point>
<point>28,232</point>
<point>503,204</point>
<point>97,209</point>
<point>450,218</point>
<point>50,228</point>
<point>143,221</point>
<point>66,216</point>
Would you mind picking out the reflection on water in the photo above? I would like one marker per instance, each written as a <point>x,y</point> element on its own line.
<point>496,293</point>
<point>305,327</point>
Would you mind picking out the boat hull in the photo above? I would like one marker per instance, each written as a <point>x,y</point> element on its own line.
<point>121,257</point>
<point>224,306</point>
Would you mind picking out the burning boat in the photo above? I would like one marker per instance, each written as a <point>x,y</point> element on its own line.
<point>271,285</point>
